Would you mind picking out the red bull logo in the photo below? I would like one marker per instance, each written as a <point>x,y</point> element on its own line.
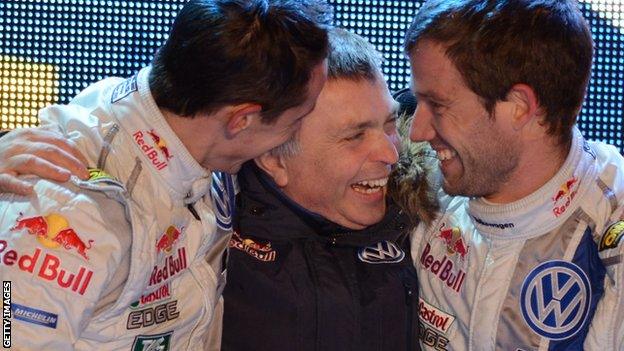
<point>172,265</point>
<point>262,252</point>
<point>454,241</point>
<point>160,144</point>
<point>444,269</point>
<point>160,155</point>
<point>169,237</point>
<point>564,196</point>
<point>53,231</point>
<point>48,267</point>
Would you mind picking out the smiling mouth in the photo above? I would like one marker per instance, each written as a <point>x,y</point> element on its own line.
<point>446,154</point>
<point>370,186</point>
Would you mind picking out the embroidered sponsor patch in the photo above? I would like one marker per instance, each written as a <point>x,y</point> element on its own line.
<point>98,176</point>
<point>223,196</point>
<point>381,252</point>
<point>152,315</point>
<point>48,267</point>
<point>168,239</point>
<point>124,89</point>
<point>434,317</point>
<point>564,196</point>
<point>171,266</point>
<point>555,299</point>
<point>34,316</point>
<point>612,236</point>
<point>432,338</point>
<point>154,148</point>
<point>454,241</point>
<point>163,293</point>
<point>445,269</point>
<point>158,342</point>
<point>262,252</point>
<point>53,231</point>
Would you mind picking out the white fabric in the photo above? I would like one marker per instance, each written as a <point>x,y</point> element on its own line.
<point>173,282</point>
<point>477,258</point>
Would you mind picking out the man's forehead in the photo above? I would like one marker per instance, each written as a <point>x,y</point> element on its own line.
<point>370,120</point>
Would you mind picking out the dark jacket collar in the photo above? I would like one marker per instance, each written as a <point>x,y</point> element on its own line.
<point>264,211</point>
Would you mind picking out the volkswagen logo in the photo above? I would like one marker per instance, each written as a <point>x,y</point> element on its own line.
<point>555,299</point>
<point>381,252</point>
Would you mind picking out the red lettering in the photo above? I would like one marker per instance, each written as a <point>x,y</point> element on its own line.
<point>10,257</point>
<point>27,263</point>
<point>66,283</point>
<point>48,268</point>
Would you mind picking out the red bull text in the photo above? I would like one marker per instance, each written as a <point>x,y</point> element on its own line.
<point>443,269</point>
<point>48,267</point>
<point>564,196</point>
<point>172,265</point>
<point>159,161</point>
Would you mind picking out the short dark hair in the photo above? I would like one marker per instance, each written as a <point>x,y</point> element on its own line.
<point>224,52</point>
<point>495,44</point>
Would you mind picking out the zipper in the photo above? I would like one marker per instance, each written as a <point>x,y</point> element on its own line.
<point>409,295</point>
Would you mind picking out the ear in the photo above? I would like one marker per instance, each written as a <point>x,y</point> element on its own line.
<point>275,166</point>
<point>525,105</point>
<point>241,116</point>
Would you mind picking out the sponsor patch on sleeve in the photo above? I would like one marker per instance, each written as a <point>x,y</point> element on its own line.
<point>34,316</point>
<point>158,342</point>
<point>612,236</point>
<point>98,176</point>
<point>124,89</point>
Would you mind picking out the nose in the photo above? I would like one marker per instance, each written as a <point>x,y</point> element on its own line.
<point>421,128</point>
<point>386,150</point>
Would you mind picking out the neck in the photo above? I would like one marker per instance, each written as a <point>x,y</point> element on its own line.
<point>539,162</point>
<point>197,133</point>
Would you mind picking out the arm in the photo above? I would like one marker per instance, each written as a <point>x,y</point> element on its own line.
<point>56,250</point>
<point>45,153</point>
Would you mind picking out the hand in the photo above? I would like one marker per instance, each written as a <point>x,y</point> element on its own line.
<point>47,154</point>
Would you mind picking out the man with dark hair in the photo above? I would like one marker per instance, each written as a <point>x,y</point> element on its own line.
<point>319,259</point>
<point>132,257</point>
<point>526,252</point>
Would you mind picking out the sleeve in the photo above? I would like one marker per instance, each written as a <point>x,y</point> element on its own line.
<point>607,326</point>
<point>58,250</point>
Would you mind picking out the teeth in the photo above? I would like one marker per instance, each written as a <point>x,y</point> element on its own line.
<point>370,186</point>
<point>366,190</point>
<point>446,154</point>
<point>374,183</point>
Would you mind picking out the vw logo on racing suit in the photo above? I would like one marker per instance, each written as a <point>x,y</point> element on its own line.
<point>382,252</point>
<point>223,195</point>
<point>555,299</point>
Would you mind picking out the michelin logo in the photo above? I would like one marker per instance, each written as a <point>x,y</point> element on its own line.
<point>34,316</point>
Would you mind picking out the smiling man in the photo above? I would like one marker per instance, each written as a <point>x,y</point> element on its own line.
<point>527,254</point>
<point>131,258</point>
<point>320,257</point>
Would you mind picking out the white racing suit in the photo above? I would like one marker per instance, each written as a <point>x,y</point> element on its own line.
<point>542,273</point>
<point>130,261</point>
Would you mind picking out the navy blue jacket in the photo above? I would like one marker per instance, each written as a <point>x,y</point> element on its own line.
<point>299,282</point>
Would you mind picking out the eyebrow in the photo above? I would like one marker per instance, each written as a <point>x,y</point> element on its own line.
<point>431,96</point>
<point>394,114</point>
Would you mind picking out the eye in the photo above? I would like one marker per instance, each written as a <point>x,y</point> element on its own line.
<point>357,136</point>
